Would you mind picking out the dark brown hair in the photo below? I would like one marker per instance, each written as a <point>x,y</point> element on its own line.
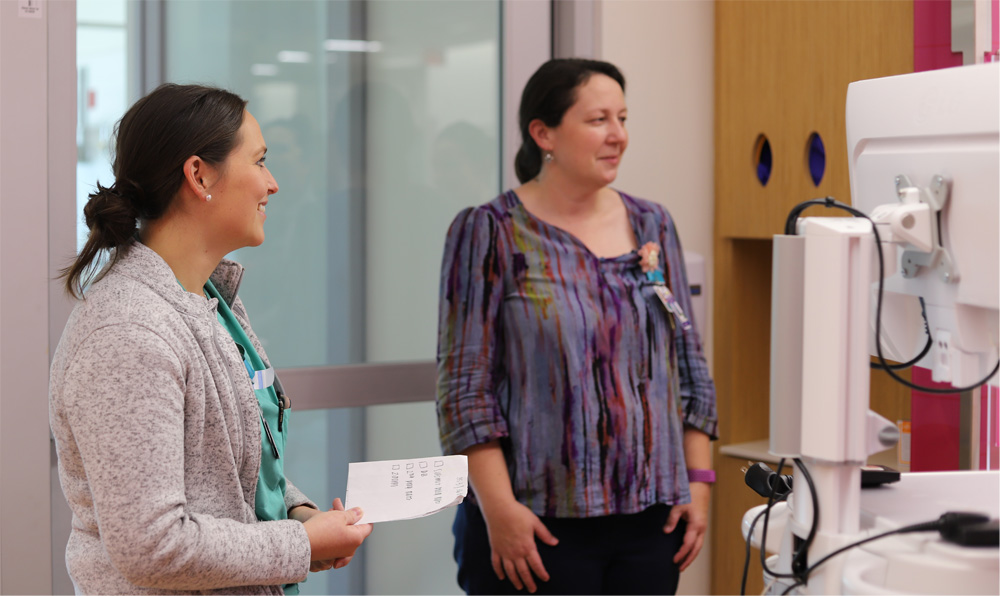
<point>151,143</point>
<point>550,92</point>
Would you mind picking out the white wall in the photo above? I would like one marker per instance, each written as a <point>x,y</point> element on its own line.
<point>665,50</point>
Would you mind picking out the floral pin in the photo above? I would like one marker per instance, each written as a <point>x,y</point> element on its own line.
<point>649,257</point>
<point>649,260</point>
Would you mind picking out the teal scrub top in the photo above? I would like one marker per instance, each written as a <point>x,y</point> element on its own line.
<point>270,499</point>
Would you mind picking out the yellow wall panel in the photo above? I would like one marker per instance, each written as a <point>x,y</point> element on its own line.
<point>782,69</point>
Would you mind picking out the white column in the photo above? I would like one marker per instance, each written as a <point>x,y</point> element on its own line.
<point>25,557</point>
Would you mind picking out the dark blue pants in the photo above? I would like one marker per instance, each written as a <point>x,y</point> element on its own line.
<point>615,554</point>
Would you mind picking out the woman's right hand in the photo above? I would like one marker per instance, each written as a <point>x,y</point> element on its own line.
<point>512,530</point>
<point>335,534</point>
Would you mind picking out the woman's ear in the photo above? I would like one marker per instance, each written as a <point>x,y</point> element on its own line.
<point>199,176</point>
<point>541,134</point>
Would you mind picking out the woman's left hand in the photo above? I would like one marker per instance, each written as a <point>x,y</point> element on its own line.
<point>696,515</point>
<point>302,513</point>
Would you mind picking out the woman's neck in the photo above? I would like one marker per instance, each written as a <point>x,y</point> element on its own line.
<point>184,250</point>
<point>562,198</point>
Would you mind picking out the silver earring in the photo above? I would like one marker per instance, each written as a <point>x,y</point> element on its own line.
<point>208,198</point>
<point>548,157</point>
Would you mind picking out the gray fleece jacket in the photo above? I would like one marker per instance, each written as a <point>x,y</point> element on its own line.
<point>157,430</point>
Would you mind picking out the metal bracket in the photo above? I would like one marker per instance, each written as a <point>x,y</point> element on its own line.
<point>936,196</point>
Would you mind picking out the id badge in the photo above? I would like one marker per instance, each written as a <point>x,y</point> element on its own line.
<point>668,301</point>
<point>259,379</point>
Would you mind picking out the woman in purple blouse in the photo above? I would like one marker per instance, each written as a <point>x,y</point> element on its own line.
<point>569,371</point>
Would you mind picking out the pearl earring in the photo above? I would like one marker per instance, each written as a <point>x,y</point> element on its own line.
<point>548,157</point>
<point>208,198</point>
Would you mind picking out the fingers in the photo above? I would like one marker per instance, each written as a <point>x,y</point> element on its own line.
<point>524,570</point>
<point>543,533</point>
<point>514,550</point>
<point>365,529</point>
<point>693,551</point>
<point>535,562</point>
<point>694,555</point>
<point>497,566</point>
<point>334,534</point>
<point>338,563</point>
<point>338,505</point>
<point>676,512</point>
<point>353,515</point>
<point>512,574</point>
<point>685,548</point>
<point>521,572</point>
<point>694,538</point>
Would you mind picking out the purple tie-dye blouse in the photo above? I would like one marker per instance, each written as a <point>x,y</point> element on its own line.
<point>570,360</point>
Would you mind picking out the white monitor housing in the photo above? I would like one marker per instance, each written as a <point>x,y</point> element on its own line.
<point>932,140</point>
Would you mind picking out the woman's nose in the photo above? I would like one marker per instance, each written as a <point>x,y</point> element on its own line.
<point>272,184</point>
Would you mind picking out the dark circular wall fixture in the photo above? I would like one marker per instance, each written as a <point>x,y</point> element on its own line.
<point>816,158</point>
<point>762,159</point>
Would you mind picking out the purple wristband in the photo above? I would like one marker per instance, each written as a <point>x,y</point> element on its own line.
<point>701,476</point>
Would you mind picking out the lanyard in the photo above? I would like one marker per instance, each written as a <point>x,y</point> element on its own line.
<point>262,379</point>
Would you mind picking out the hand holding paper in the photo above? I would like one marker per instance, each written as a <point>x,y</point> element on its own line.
<point>333,534</point>
<point>407,488</point>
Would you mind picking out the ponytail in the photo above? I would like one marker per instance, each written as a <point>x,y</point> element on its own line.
<point>112,220</point>
<point>528,161</point>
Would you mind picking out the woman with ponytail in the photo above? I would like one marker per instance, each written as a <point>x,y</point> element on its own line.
<point>170,426</point>
<point>569,368</point>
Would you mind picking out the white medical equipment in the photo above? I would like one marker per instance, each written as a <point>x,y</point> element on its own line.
<point>924,153</point>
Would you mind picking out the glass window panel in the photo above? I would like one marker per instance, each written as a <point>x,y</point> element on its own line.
<point>433,116</point>
<point>298,286</point>
<point>377,137</point>
<point>432,148</point>
<point>102,97</point>
<point>382,122</point>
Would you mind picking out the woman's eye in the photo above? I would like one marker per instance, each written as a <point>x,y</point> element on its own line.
<point>260,162</point>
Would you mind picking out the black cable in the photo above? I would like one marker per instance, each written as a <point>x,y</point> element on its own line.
<point>918,357</point>
<point>763,540</point>
<point>878,328</point>
<point>746,560</point>
<point>848,547</point>
<point>800,560</point>
<point>799,557</point>
<point>763,536</point>
<point>793,215</point>
<point>831,202</point>
<point>946,523</point>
